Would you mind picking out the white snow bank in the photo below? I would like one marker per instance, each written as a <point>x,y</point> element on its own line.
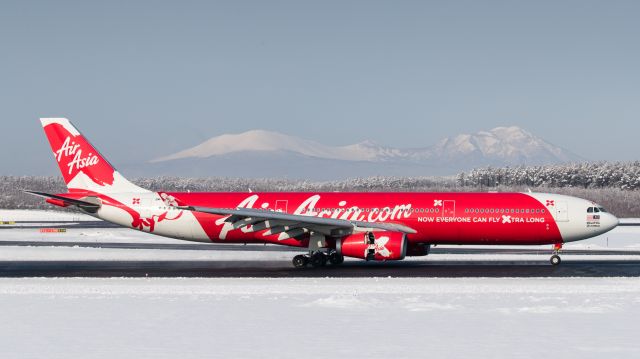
<point>7,215</point>
<point>293,318</point>
<point>28,253</point>
<point>87,235</point>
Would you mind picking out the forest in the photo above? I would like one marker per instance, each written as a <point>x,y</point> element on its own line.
<point>613,185</point>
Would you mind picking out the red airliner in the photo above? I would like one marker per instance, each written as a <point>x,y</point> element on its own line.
<point>369,226</point>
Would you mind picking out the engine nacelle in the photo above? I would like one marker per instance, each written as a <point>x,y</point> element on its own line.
<point>378,246</point>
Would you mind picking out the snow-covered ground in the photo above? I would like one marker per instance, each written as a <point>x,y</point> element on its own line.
<point>7,215</point>
<point>309,317</point>
<point>293,318</point>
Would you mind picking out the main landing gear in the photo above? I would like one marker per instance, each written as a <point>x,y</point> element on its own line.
<point>555,258</point>
<point>317,259</point>
<point>319,253</point>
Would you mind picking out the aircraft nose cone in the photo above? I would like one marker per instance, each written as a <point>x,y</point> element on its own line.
<point>611,221</point>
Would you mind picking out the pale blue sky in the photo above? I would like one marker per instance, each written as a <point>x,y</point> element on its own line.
<point>146,78</point>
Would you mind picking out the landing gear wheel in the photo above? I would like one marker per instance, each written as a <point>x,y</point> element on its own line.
<point>300,261</point>
<point>336,258</point>
<point>555,260</point>
<point>319,259</point>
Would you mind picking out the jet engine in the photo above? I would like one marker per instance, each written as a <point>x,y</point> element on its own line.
<point>378,246</point>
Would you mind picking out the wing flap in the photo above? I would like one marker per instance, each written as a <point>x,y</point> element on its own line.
<point>267,214</point>
<point>293,225</point>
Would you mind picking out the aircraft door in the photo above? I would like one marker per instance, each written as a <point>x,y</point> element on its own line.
<point>448,208</point>
<point>281,206</point>
<point>145,206</point>
<point>561,211</point>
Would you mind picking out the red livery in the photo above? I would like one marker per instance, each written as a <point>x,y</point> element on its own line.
<point>369,226</point>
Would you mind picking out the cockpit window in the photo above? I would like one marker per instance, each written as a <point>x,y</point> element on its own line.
<point>596,210</point>
<point>602,209</point>
<point>590,210</point>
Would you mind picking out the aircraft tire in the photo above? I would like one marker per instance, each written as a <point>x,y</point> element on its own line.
<point>335,258</point>
<point>300,261</point>
<point>319,259</point>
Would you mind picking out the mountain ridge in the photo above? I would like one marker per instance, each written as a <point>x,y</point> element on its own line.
<point>508,144</point>
<point>269,154</point>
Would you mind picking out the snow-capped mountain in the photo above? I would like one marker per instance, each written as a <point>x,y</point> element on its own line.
<point>260,153</point>
<point>502,145</point>
<point>269,141</point>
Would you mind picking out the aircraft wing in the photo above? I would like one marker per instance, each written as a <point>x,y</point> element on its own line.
<point>294,225</point>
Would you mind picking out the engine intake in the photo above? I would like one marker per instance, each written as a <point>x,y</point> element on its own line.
<point>378,246</point>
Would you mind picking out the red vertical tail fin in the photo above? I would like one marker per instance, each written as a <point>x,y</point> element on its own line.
<point>82,166</point>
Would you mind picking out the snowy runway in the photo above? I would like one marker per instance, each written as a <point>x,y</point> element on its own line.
<point>272,269</point>
<point>445,305</point>
<point>287,318</point>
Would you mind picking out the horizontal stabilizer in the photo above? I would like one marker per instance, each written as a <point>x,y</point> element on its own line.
<point>88,206</point>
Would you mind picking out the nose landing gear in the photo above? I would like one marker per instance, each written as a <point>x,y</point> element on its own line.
<point>555,258</point>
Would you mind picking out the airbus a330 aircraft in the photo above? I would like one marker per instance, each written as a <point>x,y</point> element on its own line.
<point>369,226</point>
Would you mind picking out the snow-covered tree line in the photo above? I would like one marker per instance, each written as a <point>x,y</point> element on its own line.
<point>216,184</point>
<point>621,175</point>
<point>614,185</point>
